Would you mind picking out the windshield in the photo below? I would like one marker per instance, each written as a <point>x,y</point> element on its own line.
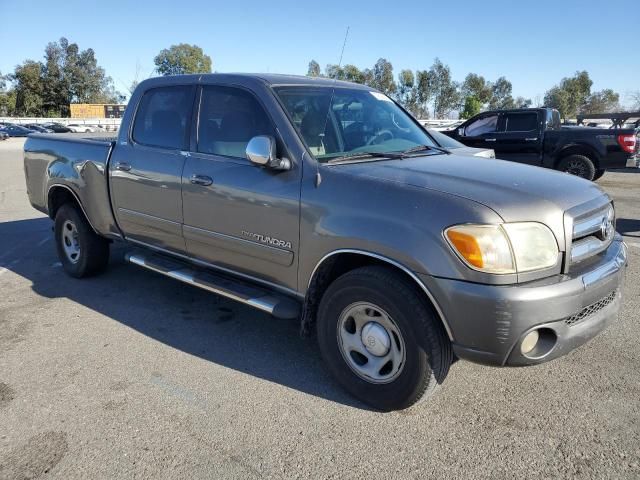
<point>359,122</point>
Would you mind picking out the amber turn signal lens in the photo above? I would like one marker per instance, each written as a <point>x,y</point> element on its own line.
<point>467,246</point>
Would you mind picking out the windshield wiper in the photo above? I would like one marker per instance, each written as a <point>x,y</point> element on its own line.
<point>360,155</point>
<point>391,155</point>
<point>421,148</point>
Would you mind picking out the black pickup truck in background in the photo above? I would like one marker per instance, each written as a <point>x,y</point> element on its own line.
<point>536,137</point>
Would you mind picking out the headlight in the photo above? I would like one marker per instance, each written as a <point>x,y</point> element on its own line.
<point>506,248</point>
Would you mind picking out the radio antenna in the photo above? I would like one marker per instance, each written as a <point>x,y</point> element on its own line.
<point>333,92</point>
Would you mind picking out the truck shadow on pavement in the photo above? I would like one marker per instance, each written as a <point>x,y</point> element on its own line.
<point>629,227</point>
<point>180,316</point>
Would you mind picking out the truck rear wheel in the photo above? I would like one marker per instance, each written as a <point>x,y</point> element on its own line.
<point>599,174</point>
<point>578,165</point>
<point>381,340</point>
<point>81,251</point>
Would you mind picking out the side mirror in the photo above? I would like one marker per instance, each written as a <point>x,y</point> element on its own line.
<point>261,151</point>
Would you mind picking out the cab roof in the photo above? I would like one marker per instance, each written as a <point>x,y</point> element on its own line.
<point>271,79</point>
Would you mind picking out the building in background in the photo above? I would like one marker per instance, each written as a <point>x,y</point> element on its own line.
<point>96,110</point>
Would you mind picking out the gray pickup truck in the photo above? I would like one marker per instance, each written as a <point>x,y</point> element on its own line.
<point>326,202</point>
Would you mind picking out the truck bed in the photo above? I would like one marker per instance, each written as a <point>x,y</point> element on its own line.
<point>78,165</point>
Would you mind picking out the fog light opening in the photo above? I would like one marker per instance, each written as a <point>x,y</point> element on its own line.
<point>529,342</point>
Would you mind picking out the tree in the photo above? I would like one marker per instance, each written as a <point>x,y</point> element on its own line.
<point>557,98</point>
<point>314,69</point>
<point>407,93</point>
<point>604,101</point>
<point>472,107</point>
<point>181,59</point>
<point>443,90</point>
<point>476,86</point>
<point>7,97</point>
<point>521,102</point>
<point>635,98</point>
<point>570,95</point>
<point>71,75</point>
<point>28,88</point>
<point>501,95</point>
<point>351,73</point>
<point>381,77</point>
<point>333,71</point>
<point>423,93</point>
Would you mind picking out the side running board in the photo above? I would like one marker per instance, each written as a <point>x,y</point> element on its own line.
<point>276,304</point>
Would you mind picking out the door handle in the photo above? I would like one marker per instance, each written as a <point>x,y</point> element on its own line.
<point>489,139</point>
<point>533,139</point>
<point>125,167</point>
<point>201,180</point>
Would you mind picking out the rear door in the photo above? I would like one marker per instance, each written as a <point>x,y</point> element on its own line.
<point>239,216</point>
<point>519,137</point>
<point>146,172</point>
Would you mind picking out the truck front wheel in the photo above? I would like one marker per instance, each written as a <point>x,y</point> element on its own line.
<point>381,340</point>
<point>578,165</point>
<point>81,251</point>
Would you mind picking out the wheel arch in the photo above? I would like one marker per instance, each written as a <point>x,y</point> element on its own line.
<point>340,261</point>
<point>59,195</point>
<point>578,149</point>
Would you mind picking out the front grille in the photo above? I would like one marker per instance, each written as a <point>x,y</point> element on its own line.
<point>591,309</point>
<point>592,233</point>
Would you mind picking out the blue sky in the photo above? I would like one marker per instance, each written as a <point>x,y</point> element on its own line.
<point>534,44</point>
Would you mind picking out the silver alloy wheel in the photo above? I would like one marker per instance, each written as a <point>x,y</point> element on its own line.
<point>70,242</point>
<point>371,342</point>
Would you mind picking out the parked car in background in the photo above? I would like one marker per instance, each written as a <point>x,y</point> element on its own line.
<point>77,128</point>
<point>534,136</point>
<point>37,127</point>
<point>459,148</point>
<point>56,127</point>
<point>325,201</point>
<point>17,130</point>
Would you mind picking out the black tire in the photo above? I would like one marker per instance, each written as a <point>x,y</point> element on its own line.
<point>428,354</point>
<point>599,174</point>
<point>93,251</point>
<point>578,165</point>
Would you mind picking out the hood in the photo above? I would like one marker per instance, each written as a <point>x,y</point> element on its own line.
<point>516,192</point>
<point>473,152</point>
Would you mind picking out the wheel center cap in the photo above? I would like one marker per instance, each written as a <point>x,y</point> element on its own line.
<point>375,339</point>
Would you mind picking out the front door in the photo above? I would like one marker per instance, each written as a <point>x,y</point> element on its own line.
<point>146,172</point>
<point>239,216</point>
<point>481,132</point>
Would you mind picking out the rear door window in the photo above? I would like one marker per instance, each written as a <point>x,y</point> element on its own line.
<point>229,118</point>
<point>163,117</point>
<point>521,122</point>
<point>487,124</point>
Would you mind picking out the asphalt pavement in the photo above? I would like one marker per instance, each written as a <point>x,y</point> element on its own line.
<point>133,375</point>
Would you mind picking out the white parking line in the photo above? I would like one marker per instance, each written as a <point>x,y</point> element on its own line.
<point>43,241</point>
